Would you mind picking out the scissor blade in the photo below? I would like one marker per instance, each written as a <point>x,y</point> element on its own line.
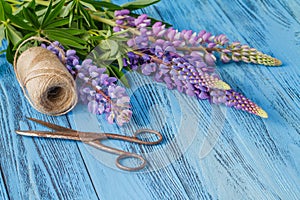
<point>50,125</point>
<point>48,134</point>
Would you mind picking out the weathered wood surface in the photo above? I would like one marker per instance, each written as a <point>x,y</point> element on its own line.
<point>252,158</point>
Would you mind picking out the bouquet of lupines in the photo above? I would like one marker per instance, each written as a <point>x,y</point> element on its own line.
<point>104,40</point>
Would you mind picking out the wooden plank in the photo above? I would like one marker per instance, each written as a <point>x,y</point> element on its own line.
<point>253,158</point>
<point>36,168</point>
<point>234,18</point>
<point>3,191</point>
<point>161,179</point>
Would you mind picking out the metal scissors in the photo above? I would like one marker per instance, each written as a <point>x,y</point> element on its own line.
<point>94,139</point>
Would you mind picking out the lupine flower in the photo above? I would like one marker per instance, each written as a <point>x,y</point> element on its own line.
<point>102,95</point>
<point>188,41</point>
<point>234,99</point>
<point>182,61</point>
<point>237,52</point>
<point>177,73</point>
<point>96,88</point>
<point>69,57</point>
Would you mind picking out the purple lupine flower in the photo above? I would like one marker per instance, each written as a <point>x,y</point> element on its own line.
<point>188,39</point>
<point>97,89</point>
<point>68,58</point>
<point>124,117</point>
<point>181,61</point>
<point>176,72</point>
<point>234,99</point>
<point>123,19</point>
<point>102,95</point>
<point>122,12</point>
<point>179,74</point>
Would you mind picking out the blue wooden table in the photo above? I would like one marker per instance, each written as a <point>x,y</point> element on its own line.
<point>209,152</point>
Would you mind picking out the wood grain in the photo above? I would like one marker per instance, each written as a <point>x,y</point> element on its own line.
<point>251,158</point>
<point>36,168</point>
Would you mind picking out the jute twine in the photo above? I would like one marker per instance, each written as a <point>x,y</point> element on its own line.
<point>45,81</point>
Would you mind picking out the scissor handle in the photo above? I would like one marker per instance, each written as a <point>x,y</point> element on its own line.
<point>145,131</point>
<point>130,155</point>
<point>95,141</point>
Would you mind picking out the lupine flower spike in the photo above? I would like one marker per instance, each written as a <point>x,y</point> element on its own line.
<point>185,60</point>
<point>190,41</point>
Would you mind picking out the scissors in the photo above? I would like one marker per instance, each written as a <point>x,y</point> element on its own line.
<point>94,139</point>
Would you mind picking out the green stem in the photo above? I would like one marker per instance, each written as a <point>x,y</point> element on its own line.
<point>103,20</point>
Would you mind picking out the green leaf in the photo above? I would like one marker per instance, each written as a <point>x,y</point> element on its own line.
<point>2,15</point>
<point>73,31</point>
<point>104,45</point>
<point>2,51</point>
<point>14,2</point>
<point>66,10</point>
<point>63,39</point>
<point>2,33</point>
<point>13,35</point>
<point>105,57</point>
<point>24,38</point>
<point>113,46</point>
<point>57,23</point>
<point>120,33</point>
<point>88,5</point>
<point>138,4</point>
<point>47,12</point>
<point>9,54</point>
<point>5,8</point>
<point>99,5</point>
<point>108,33</point>
<point>60,22</point>
<point>99,37</point>
<point>66,41</point>
<point>31,17</point>
<point>120,61</point>
<point>87,17</point>
<point>118,74</point>
<point>63,34</point>
<point>71,17</point>
<point>110,48</point>
<point>31,5</point>
<point>54,13</point>
<point>20,23</point>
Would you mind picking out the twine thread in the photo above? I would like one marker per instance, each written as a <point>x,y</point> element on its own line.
<point>46,83</point>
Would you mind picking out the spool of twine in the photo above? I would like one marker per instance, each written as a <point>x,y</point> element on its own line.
<point>45,81</point>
